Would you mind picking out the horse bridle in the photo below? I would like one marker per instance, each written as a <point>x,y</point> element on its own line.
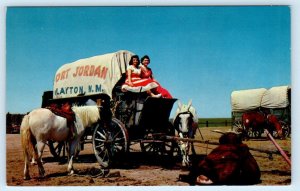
<point>176,121</point>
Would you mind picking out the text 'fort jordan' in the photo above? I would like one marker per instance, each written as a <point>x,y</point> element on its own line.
<point>80,74</point>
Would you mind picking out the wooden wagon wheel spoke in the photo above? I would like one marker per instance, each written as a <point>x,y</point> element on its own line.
<point>118,145</point>
<point>100,145</point>
<point>101,134</point>
<point>169,146</point>
<point>118,148</point>
<point>100,152</point>
<point>119,140</point>
<point>116,135</point>
<point>148,147</point>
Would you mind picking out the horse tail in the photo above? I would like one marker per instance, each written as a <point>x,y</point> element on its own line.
<point>27,139</point>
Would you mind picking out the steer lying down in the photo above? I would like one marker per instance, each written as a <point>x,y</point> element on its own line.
<point>230,163</point>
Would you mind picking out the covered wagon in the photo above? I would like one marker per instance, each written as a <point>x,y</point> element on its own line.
<point>276,100</point>
<point>126,118</point>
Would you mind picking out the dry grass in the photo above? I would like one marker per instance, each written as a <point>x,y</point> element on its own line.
<point>274,172</point>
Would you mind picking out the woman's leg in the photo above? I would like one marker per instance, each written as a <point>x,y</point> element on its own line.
<point>153,95</point>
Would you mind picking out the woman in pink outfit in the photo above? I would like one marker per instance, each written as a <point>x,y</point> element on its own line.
<point>146,73</point>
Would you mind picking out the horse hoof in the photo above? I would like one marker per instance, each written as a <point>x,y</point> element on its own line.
<point>26,178</point>
<point>71,172</point>
<point>42,174</point>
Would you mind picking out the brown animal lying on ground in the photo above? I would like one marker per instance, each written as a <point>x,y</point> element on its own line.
<point>230,163</point>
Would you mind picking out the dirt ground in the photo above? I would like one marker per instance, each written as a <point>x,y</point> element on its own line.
<point>136,169</point>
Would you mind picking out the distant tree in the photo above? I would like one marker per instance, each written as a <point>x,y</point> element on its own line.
<point>13,122</point>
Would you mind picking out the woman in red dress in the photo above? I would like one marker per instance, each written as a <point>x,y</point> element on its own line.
<point>134,82</point>
<point>146,73</point>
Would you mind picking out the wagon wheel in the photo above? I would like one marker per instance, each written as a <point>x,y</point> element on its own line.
<point>286,129</point>
<point>159,147</point>
<point>256,133</point>
<point>156,144</point>
<point>109,140</point>
<point>57,149</point>
<point>238,126</point>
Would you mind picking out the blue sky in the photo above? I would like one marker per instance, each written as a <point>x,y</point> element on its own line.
<point>198,53</point>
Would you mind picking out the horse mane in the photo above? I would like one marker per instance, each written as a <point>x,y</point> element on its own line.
<point>88,114</point>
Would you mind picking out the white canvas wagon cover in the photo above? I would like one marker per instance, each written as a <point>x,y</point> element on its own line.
<point>276,97</point>
<point>246,99</point>
<point>90,76</point>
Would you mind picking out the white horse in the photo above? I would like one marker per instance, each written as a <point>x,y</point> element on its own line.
<point>41,125</point>
<point>186,123</point>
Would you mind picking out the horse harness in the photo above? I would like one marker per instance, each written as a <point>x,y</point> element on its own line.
<point>177,120</point>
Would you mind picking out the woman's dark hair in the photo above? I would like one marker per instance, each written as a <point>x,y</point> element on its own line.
<point>144,57</point>
<point>132,57</point>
